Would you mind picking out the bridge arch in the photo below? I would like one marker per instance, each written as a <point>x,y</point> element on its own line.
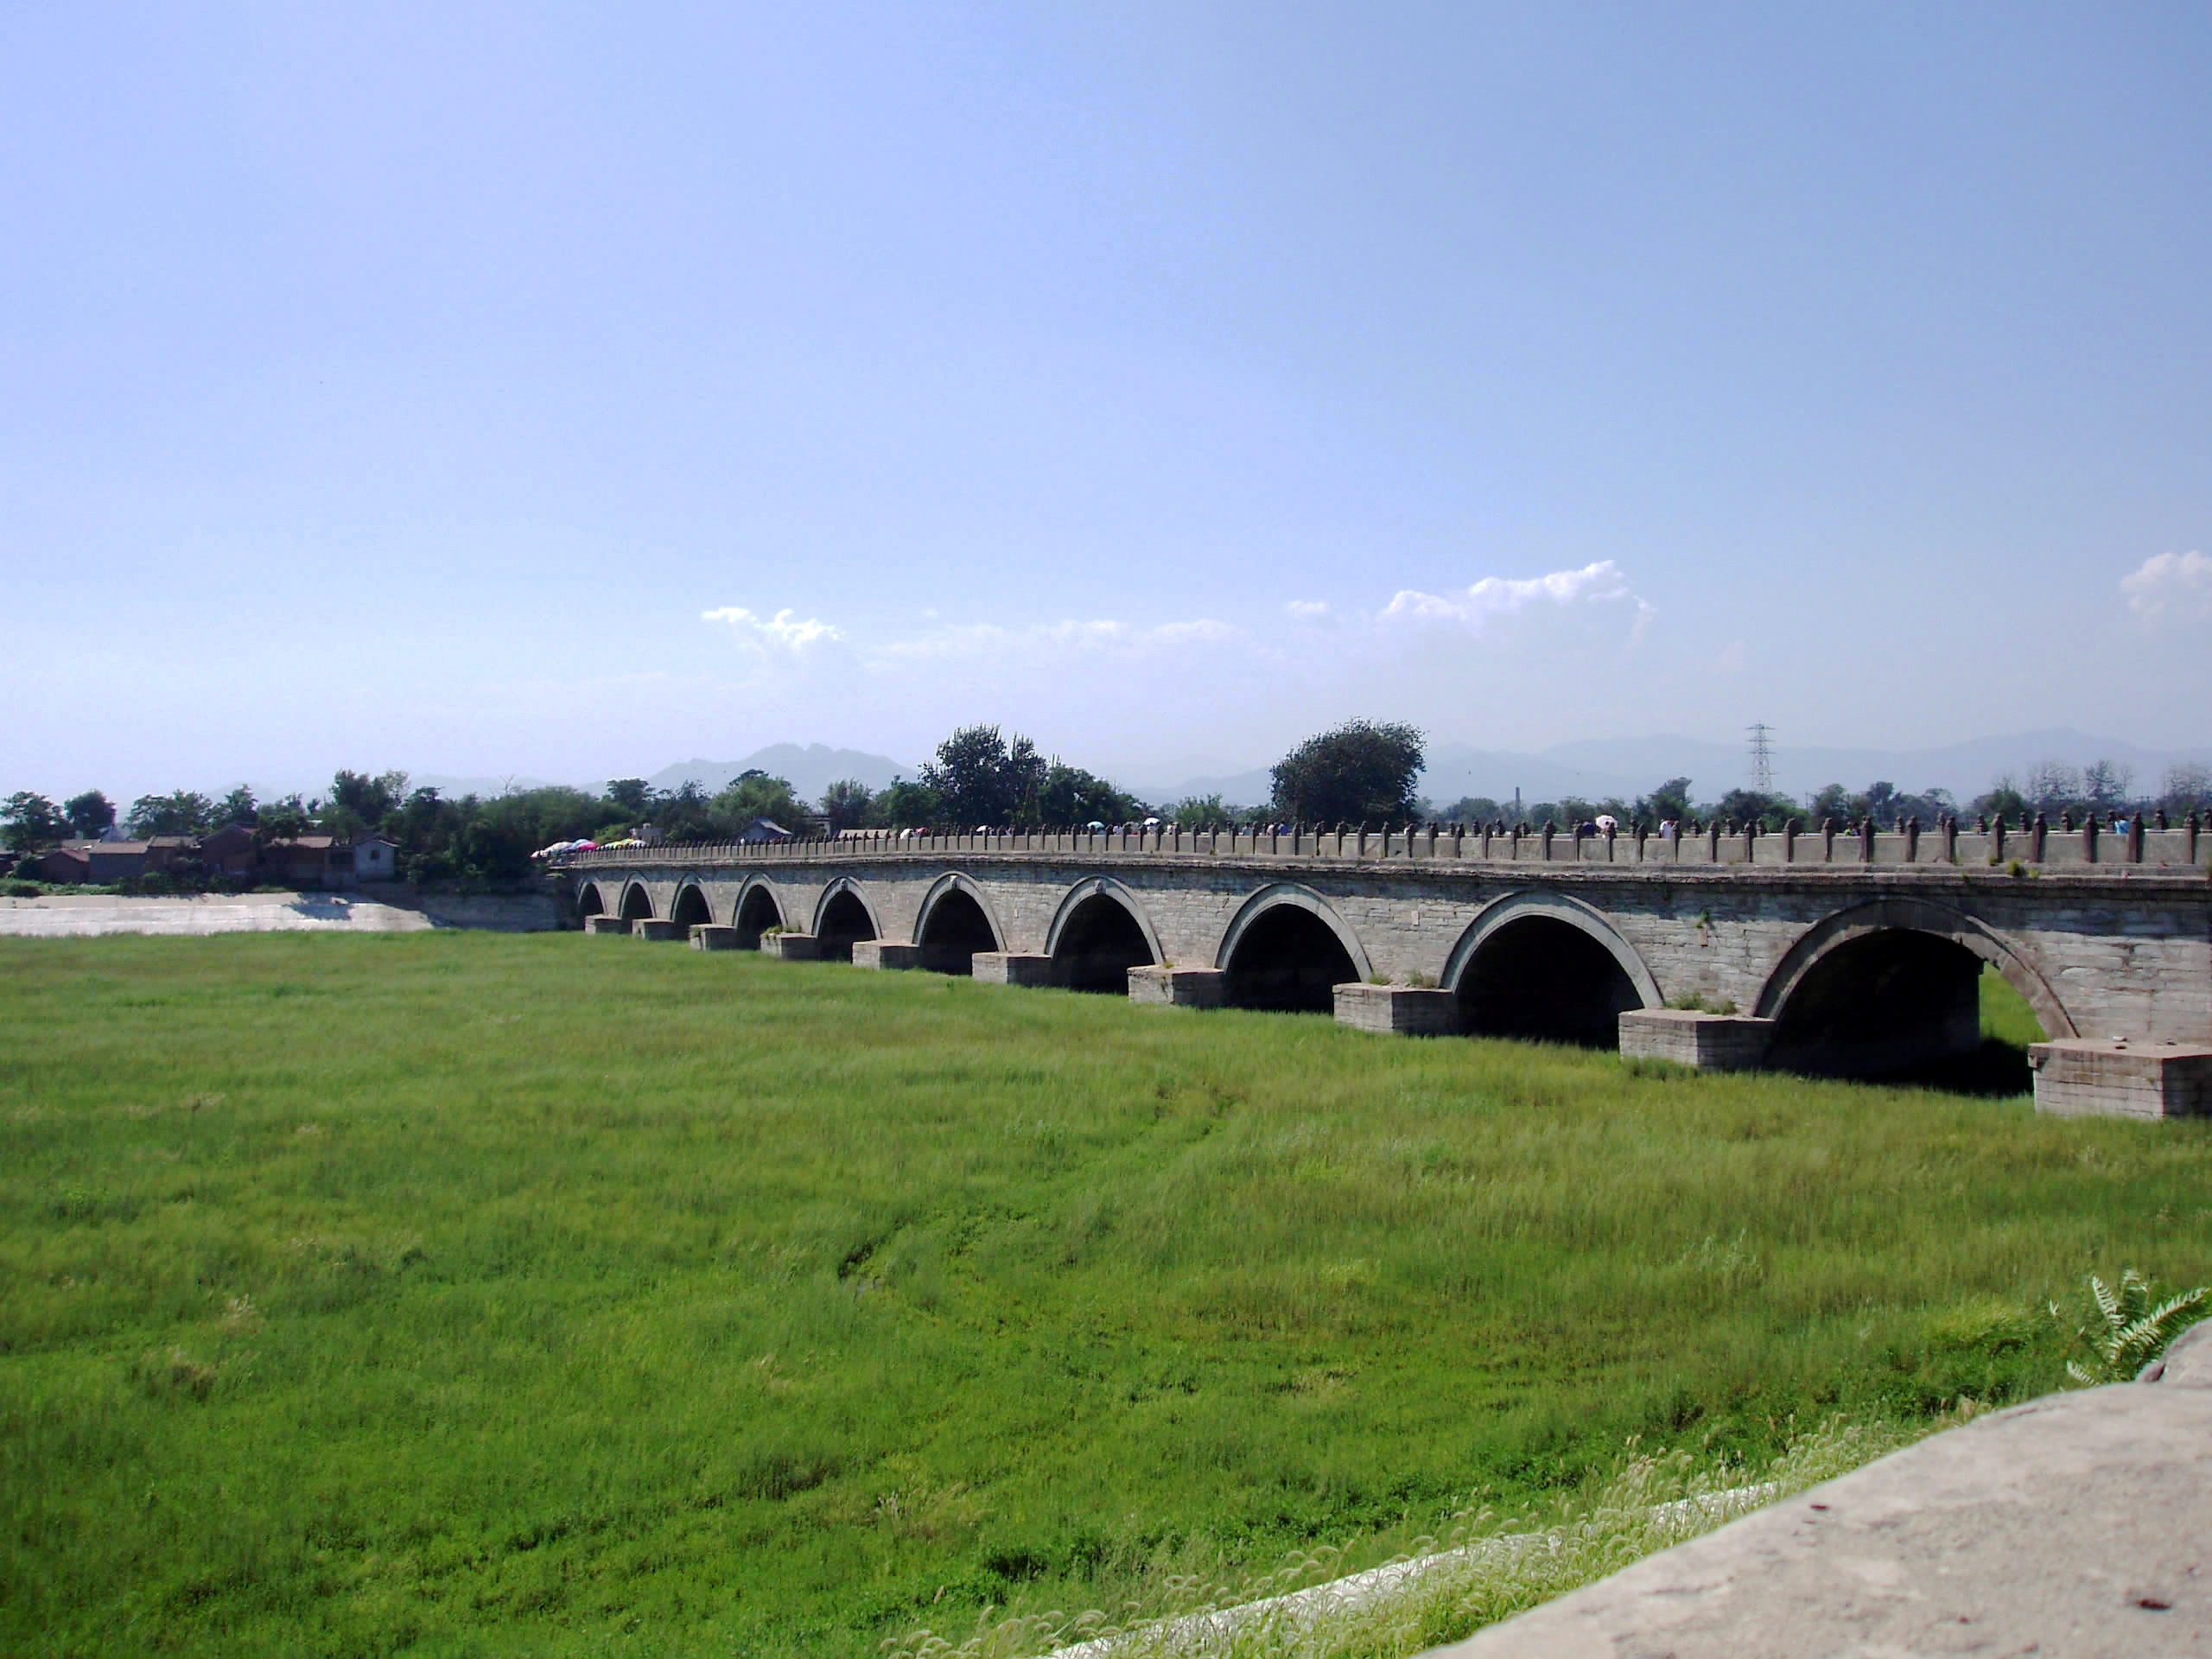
<point>1547,966</point>
<point>637,903</point>
<point>843,917</point>
<point>1891,984</point>
<point>690,907</point>
<point>590,901</point>
<point>758,908</point>
<point>955,921</point>
<point>1100,931</point>
<point>1287,948</point>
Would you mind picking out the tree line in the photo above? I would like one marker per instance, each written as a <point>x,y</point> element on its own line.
<point>2051,789</point>
<point>1360,772</point>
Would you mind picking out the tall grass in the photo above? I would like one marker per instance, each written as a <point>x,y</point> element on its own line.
<point>465,1293</point>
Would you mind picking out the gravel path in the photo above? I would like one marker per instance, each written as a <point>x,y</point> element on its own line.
<point>81,916</point>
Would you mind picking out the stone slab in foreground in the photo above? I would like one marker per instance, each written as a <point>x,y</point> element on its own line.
<point>2122,1077</point>
<point>1402,1010</point>
<point>2079,1524</point>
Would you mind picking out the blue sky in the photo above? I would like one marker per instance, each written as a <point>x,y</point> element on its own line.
<point>567,390</point>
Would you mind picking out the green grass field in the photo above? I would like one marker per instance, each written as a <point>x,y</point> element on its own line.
<point>456,1293</point>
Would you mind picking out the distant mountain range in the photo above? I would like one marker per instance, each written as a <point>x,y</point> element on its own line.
<point>809,769</point>
<point>1593,769</point>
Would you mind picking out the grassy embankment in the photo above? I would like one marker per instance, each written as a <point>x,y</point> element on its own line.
<point>464,1294</point>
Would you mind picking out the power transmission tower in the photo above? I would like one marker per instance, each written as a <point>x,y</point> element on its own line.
<point>1762,759</point>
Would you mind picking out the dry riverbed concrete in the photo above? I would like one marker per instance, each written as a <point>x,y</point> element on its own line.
<point>2078,1524</point>
<point>373,909</point>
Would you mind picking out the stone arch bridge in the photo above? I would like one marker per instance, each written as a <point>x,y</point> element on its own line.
<point>1847,955</point>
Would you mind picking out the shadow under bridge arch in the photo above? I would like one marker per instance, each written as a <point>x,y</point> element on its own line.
<point>691,908</point>
<point>1548,968</point>
<point>842,920</point>
<point>590,901</point>
<point>756,911</point>
<point>954,923</point>
<point>1893,986</point>
<point>1100,932</point>
<point>637,903</point>
<point>1287,948</point>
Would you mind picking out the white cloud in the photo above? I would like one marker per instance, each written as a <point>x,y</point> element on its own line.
<point>778,632</point>
<point>1307,610</point>
<point>1733,658</point>
<point>2170,584</point>
<point>1501,596</point>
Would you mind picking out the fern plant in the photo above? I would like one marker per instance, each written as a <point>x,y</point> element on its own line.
<point>2134,1333</point>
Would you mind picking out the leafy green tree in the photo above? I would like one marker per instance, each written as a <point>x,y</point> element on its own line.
<point>2004,799</point>
<point>30,822</point>
<point>683,813</point>
<point>370,800</point>
<point>91,814</point>
<point>630,797</point>
<point>1070,797</point>
<point>1668,804</point>
<point>979,778</point>
<point>238,807</point>
<point>181,812</point>
<point>906,804</point>
<point>1836,802</point>
<point>1473,809</point>
<point>847,804</point>
<point>756,795</point>
<point>1361,772</point>
<point>1770,813</point>
<point>283,820</point>
<point>1201,810</point>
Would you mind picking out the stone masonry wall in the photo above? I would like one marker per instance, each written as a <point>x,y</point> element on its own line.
<point>2108,951</point>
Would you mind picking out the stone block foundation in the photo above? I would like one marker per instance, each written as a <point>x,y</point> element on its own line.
<point>1011,968</point>
<point>886,953</point>
<point>705,936</point>
<point>1405,1010</point>
<point>607,924</point>
<point>2122,1077</point>
<point>1182,988</point>
<point>646,928</point>
<point>1711,1042</point>
<point>792,947</point>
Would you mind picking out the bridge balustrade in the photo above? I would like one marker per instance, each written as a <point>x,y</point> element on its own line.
<point>1947,844</point>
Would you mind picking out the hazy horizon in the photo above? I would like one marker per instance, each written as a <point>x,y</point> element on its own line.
<point>1591,769</point>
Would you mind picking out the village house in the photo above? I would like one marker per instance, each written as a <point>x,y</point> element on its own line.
<point>375,857</point>
<point>229,851</point>
<point>309,862</point>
